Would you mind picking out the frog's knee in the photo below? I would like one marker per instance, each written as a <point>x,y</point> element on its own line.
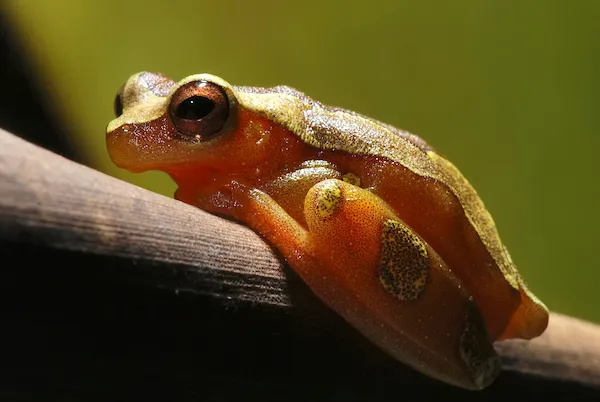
<point>335,204</point>
<point>324,199</point>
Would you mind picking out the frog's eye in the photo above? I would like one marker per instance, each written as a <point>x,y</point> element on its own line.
<point>118,106</point>
<point>199,109</point>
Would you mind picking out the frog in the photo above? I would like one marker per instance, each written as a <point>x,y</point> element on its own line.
<point>383,229</point>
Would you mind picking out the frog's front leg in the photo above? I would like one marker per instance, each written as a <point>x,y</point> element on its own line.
<point>360,258</point>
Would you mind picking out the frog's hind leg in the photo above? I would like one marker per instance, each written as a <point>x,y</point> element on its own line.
<point>384,279</point>
<point>361,260</point>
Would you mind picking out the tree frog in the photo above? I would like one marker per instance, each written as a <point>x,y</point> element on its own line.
<point>383,229</point>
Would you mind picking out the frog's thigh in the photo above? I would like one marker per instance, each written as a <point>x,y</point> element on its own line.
<point>392,286</point>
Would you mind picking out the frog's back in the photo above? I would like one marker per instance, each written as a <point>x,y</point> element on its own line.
<point>307,101</point>
<point>478,258</point>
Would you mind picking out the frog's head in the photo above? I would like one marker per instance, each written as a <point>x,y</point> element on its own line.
<point>200,121</point>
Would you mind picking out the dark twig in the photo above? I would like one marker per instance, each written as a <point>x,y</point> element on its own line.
<point>112,292</point>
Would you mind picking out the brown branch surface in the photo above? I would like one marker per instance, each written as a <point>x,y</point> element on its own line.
<point>111,291</point>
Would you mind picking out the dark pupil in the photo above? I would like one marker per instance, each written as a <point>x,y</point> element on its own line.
<point>195,108</point>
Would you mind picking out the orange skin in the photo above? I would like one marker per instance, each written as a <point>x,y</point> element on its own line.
<point>330,229</point>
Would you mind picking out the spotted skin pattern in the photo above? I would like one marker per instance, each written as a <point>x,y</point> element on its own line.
<point>474,354</point>
<point>328,200</point>
<point>404,263</point>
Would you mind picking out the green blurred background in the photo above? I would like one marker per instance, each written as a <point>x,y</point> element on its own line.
<point>507,90</point>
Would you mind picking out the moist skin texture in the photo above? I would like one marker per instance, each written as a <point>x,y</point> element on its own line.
<point>383,229</point>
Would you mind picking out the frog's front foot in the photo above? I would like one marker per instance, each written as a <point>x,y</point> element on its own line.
<point>235,196</point>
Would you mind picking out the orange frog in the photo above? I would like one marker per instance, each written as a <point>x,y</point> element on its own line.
<point>382,228</point>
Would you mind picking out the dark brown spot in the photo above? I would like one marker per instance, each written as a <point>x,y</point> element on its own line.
<point>405,263</point>
<point>476,349</point>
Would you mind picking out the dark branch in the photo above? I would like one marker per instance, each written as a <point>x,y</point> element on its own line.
<point>110,290</point>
